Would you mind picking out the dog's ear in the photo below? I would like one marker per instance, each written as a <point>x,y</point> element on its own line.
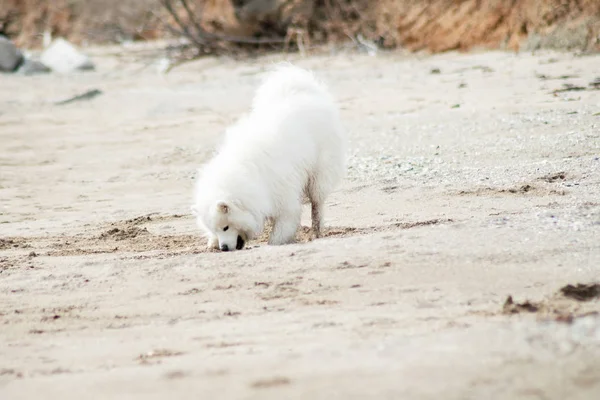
<point>223,207</point>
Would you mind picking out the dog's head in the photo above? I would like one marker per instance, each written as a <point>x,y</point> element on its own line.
<point>229,222</point>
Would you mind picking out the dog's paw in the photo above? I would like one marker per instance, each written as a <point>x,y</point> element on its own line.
<point>212,243</point>
<point>280,242</point>
<point>315,234</point>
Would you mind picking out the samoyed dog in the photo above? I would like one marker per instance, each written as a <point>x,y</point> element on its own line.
<point>290,149</point>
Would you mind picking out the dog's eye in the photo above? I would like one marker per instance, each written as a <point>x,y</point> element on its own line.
<point>225,229</point>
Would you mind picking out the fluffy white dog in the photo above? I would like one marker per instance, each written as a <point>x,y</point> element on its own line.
<point>290,148</point>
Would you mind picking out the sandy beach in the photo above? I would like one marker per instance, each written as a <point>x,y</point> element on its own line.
<point>471,178</point>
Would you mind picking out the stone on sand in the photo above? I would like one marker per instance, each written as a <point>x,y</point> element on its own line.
<point>10,56</point>
<point>32,66</point>
<point>61,56</point>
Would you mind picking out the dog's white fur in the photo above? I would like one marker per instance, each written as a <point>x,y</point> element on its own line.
<point>291,147</point>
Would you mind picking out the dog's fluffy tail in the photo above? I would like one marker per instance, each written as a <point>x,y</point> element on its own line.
<point>286,80</point>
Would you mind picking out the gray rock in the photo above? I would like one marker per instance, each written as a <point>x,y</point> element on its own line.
<point>61,56</point>
<point>10,56</point>
<point>33,67</point>
<point>573,37</point>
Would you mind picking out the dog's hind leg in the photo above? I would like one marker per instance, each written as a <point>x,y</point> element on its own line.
<point>285,227</point>
<point>317,200</point>
<point>316,216</point>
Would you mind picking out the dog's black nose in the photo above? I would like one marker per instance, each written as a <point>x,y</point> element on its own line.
<point>224,247</point>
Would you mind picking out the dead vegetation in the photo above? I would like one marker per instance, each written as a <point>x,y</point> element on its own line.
<point>212,25</point>
<point>80,21</point>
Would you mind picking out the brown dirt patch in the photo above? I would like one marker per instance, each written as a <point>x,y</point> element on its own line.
<point>127,240</point>
<point>510,307</point>
<point>581,292</point>
<point>569,303</point>
<point>13,243</point>
<point>305,235</point>
<point>525,189</point>
<point>136,236</point>
<point>553,178</point>
<point>14,261</point>
<point>126,236</point>
<point>129,232</point>
<point>410,225</point>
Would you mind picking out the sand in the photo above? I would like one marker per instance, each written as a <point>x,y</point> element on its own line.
<point>472,178</point>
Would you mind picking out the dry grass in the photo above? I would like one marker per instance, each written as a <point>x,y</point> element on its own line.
<point>432,25</point>
<point>81,21</point>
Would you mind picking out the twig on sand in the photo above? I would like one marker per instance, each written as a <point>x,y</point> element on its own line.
<point>90,94</point>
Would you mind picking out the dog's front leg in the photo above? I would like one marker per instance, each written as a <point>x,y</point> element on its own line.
<point>213,243</point>
<point>284,228</point>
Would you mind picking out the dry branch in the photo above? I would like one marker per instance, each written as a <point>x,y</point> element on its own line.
<point>202,39</point>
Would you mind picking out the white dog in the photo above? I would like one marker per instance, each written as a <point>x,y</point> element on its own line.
<point>291,147</point>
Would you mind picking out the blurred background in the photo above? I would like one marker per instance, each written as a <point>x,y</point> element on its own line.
<point>212,26</point>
